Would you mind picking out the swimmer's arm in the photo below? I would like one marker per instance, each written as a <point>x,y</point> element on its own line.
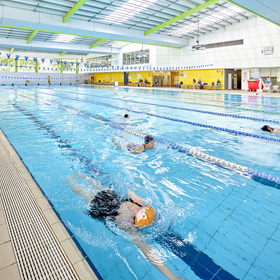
<point>80,189</point>
<point>135,198</point>
<point>277,130</point>
<point>97,185</point>
<point>155,260</point>
<point>115,142</point>
<point>124,138</point>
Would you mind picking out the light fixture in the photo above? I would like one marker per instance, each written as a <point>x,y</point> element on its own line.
<point>198,46</point>
<point>62,38</point>
<point>111,59</point>
<point>142,54</point>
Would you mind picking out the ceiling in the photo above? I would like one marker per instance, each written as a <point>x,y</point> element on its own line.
<point>105,26</point>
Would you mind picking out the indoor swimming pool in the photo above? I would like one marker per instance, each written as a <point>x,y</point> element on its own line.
<point>213,176</point>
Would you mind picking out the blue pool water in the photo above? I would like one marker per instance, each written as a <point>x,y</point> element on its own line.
<point>212,222</point>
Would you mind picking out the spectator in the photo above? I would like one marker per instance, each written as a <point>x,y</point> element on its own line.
<point>268,81</point>
<point>194,83</point>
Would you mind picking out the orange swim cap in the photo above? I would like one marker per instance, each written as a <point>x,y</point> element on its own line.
<point>145,216</point>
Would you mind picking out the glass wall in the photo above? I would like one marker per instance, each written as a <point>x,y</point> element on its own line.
<point>99,61</point>
<point>138,57</point>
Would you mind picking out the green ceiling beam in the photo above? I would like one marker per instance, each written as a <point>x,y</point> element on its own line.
<point>11,50</point>
<point>75,8</point>
<point>85,36</point>
<point>232,2</point>
<point>97,43</point>
<point>33,34</point>
<point>63,53</point>
<point>181,16</point>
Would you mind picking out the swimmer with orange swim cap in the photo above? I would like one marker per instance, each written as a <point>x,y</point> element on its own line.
<point>145,216</point>
<point>128,212</point>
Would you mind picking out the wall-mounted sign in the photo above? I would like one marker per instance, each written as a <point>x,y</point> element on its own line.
<point>268,50</point>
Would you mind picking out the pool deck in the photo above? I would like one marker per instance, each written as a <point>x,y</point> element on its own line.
<point>34,244</point>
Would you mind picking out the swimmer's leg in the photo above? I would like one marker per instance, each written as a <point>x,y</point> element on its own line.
<point>97,185</point>
<point>88,195</point>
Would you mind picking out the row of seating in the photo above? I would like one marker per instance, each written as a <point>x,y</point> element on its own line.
<point>191,86</point>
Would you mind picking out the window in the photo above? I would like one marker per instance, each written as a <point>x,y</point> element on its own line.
<point>138,57</point>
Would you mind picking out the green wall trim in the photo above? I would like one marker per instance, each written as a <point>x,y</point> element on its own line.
<point>97,43</point>
<point>232,2</point>
<point>181,16</point>
<point>74,9</point>
<point>63,53</point>
<point>33,34</point>
<point>85,36</point>
<point>11,50</point>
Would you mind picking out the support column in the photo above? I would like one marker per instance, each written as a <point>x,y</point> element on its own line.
<point>37,66</point>
<point>77,67</point>
<point>16,65</point>
<point>9,65</point>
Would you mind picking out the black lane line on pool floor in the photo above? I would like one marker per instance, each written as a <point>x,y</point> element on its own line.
<point>62,144</point>
<point>200,263</point>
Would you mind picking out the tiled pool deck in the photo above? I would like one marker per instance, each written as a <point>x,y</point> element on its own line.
<point>10,266</point>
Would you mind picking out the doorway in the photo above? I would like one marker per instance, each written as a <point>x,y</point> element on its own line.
<point>125,78</point>
<point>233,79</point>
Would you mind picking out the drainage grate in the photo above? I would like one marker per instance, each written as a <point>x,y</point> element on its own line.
<point>38,253</point>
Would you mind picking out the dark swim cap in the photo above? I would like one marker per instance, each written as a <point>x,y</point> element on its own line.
<point>148,139</point>
<point>126,116</point>
<point>267,128</point>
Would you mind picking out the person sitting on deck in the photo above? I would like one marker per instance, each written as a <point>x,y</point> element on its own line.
<point>218,84</point>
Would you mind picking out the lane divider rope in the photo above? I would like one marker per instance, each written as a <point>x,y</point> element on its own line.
<point>184,109</point>
<point>204,104</point>
<point>239,169</point>
<point>224,101</point>
<point>232,131</point>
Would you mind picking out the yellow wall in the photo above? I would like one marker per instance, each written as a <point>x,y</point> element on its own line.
<point>173,75</point>
<point>205,75</point>
<point>108,77</point>
<point>133,76</point>
<point>118,76</point>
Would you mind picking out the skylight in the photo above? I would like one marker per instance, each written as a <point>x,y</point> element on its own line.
<point>127,11</point>
<point>61,38</point>
<point>217,17</point>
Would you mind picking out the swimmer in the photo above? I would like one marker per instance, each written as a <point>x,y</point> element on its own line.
<point>126,116</point>
<point>271,129</point>
<point>149,143</point>
<point>128,212</point>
